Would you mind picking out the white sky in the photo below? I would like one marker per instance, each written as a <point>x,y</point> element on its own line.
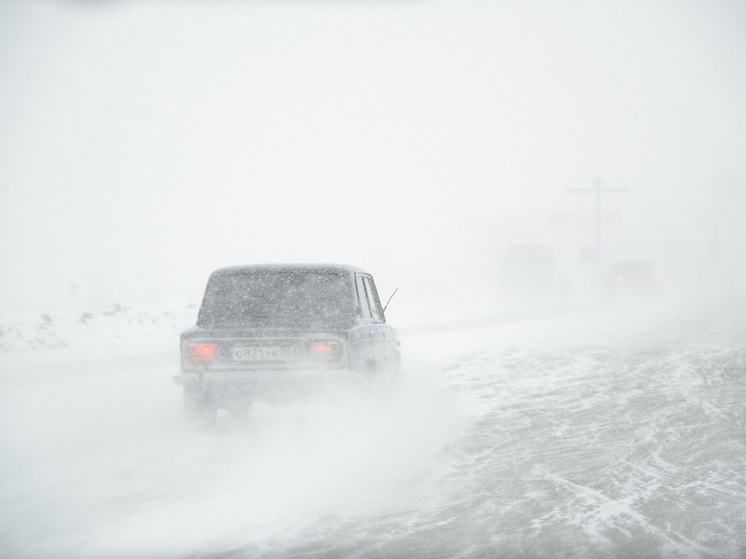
<point>143,144</point>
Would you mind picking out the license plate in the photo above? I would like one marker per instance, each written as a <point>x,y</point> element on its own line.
<point>264,353</point>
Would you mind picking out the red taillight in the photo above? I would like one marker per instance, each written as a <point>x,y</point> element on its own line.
<point>325,349</point>
<point>202,352</point>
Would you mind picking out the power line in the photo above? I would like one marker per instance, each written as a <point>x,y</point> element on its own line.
<point>598,189</point>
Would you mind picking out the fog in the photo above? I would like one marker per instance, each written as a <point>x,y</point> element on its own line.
<point>144,144</point>
<point>439,145</point>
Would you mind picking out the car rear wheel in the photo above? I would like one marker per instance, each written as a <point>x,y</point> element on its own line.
<point>200,407</point>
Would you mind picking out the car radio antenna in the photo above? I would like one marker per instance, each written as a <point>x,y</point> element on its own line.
<point>386,306</point>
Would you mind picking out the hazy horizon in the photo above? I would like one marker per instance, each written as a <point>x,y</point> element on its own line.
<point>144,144</point>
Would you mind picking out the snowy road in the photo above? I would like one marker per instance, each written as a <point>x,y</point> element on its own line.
<point>597,434</point>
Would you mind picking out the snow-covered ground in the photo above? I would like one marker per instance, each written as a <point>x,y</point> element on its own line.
<point>565,432</point>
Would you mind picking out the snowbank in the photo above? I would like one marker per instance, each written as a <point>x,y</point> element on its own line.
<point>129,327</point>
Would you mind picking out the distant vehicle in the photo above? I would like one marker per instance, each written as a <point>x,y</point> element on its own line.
<point>632,277</point>
<point>274,332</point>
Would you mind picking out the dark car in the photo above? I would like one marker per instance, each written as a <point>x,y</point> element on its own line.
<point>631,277</point>
<point>275,332</point>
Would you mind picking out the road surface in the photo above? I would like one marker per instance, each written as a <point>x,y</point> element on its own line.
<point>615,432</point>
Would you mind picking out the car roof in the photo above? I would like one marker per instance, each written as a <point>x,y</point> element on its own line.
<point>333,268</point>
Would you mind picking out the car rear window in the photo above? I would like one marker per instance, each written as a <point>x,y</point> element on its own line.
<point>278,298</point>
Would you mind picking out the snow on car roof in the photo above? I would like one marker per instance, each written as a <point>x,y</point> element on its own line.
<point>288,267</point>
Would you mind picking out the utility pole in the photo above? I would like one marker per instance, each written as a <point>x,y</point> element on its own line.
<point>598,190</point>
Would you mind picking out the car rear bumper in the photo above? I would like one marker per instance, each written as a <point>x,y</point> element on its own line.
<point>265,375</point>
<point>269,385</point>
